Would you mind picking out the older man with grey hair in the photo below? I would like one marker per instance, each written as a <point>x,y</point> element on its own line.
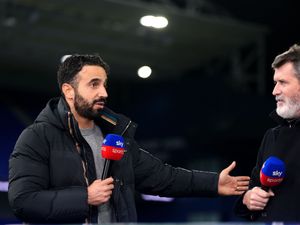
<point>279,203</point>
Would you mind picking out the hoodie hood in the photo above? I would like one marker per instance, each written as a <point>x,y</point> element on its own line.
<point>55,113</point>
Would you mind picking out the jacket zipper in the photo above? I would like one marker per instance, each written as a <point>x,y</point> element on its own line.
<point>84,165</point>
<point>119,183</point>
<point>126,127</point>
<point>88,220</point>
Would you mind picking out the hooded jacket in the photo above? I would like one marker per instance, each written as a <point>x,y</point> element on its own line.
<point>282,142</point>
<point>52,165</point>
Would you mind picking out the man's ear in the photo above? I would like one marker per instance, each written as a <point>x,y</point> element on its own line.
<point>68,91</point>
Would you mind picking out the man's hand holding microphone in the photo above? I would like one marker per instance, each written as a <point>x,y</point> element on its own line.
<point>100,190</point>
<point>271,174</point>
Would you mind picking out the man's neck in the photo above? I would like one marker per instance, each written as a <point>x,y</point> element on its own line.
<point>84,123</point>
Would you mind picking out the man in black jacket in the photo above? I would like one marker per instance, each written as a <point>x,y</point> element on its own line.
<point>55,168</point>
<point>281,202</point>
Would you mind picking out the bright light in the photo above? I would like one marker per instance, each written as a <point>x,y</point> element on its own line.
<point>156,198</point>
<point>3,186</point>
<point>144,72</point>
<point>147,21</point>
<point>157,22</point>
<point>160,22</point>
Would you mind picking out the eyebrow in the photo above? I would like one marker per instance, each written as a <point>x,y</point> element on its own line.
<point>94,79</point>
<point>97,80</point>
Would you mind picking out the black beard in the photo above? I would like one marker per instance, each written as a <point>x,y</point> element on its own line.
<point>85,109</point>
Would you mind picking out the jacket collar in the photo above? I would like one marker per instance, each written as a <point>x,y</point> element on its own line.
<point>284,122</point>
<point>108,121</point>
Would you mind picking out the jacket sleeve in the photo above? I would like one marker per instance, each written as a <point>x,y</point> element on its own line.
<point>30,194</point>
<point>154,177</point>
<point>240,209</point>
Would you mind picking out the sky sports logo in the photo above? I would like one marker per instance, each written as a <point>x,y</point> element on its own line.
<point>117,151</point>
<point>276,173</point>
<point>120,144</point>
<point>114,140</point>
<point>274,180</point>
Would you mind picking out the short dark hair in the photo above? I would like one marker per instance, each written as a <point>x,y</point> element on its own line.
<point>70,67</point>
<point>292,55</point>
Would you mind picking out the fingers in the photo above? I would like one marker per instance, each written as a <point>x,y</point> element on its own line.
<point>257,203</point>
<point>261,193</point>
<point>242,188</point>
<point>271,192</point>
<point>232,185</point>
<point>242,184</point>
<point>239,192</point>
<point>257,199</point>
<point>107,184</point>
<point>242,181</point>
<point>100,191</point>
<point>230,167</point>
<point>256,206</point>
<point>243,178</point>
<point>107,180</point>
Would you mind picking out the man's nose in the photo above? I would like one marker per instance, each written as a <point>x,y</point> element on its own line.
<point>103,92</point>
<point>276,90</point>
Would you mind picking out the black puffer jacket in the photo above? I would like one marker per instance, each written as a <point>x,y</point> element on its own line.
<point>52,165</point>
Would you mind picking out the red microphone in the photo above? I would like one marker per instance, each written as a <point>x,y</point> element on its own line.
<point>272,172</point>
<point>112,149</point>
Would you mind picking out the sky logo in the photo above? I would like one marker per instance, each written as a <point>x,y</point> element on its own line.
<point>277,173</point>
<point>119,143</point>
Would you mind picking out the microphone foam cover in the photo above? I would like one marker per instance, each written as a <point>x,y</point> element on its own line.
<point>113,147</point>
<point>272,172</point>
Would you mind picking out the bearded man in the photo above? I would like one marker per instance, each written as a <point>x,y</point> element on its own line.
<point>56,166</point>
<point>279,203</point>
